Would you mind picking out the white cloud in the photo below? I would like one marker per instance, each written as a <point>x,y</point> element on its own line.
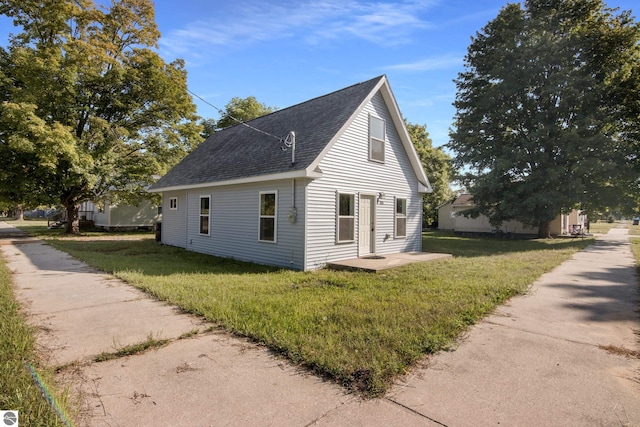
<point>444,62</point>
<point>433,100</point>
<point>380,23</point>
<point>383,22</point>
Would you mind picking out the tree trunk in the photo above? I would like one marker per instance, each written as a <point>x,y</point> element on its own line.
<point>19,213</point>
<point>544,230</point>
<point>73,221</point>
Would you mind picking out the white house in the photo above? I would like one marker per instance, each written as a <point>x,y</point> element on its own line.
<point>110,216</point>
<point>451,217</point>
<point>333,178</point>
<point>122,216</point>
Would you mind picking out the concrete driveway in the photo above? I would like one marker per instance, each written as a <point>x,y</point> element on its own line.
<point>563,355</point>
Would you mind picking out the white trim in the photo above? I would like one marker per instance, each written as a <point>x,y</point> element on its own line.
<point>338,216</point>
<point>311,174</point>
<point>383,141</point>
<point>274,216</point>
<point>346,125</point>
<point>187,224</point>
<point>173,208</point>
<point>374,221</point>
<point>398,121</point>
<point>423,189</point>
<point>305,248</point>
<point>401,128</point>
<point>396,216</point>
<point>208,215</point>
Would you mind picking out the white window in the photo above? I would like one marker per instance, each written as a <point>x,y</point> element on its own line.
<point>345,218</point>
<point>268,214</point>
<point>173,203</point>
<point>205,204</point>
<point>376,139</point>
<point>401,217</point>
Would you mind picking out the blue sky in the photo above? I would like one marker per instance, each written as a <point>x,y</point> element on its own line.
<point>286,52</point>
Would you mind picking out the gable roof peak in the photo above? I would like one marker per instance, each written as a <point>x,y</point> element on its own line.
<point>249,151</point>
<point>317,98</point>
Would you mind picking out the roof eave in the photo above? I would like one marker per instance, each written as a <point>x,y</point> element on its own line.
<point>401,127</point>
<point>248,180</point>
<point>424,189</point>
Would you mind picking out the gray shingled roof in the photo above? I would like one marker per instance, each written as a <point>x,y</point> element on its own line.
<point>240,152</point>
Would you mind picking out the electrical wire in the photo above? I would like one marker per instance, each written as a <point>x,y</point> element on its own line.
<point>279,138</point>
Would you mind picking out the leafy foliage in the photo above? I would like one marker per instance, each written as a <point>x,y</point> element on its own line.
<point>241,110</point>
<point>547,111</point>
<point>208,127</point>
<point>89,109</point>
<point>439,169</point>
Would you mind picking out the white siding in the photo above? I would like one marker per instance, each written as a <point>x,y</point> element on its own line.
<point>451,218</point>
<point>143,215</point>
<point>446,220</point>
<point>234,224</point>
<point>347,168</point>
<point>101,216</point>
<point>174,221</point>
<point>481,224</point>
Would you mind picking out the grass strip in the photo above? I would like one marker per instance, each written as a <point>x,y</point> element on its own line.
<point>603,227</point>
<point>620,351</point>
<point>129,350</point>
<point>361,329</point>
<point>18,388</point>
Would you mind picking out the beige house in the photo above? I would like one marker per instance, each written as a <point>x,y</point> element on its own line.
<point>450,217</point>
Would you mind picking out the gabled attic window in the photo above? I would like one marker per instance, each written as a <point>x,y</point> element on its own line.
<point>376,139</point>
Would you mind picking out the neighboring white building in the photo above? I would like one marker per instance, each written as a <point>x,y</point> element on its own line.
<point>450,217</point>
<point>120,216</point>
<point>350,186</point>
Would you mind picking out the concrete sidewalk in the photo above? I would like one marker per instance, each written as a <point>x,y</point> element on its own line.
<point>536,361</point>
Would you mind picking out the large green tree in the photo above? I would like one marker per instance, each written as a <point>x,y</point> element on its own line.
<point>548,111</point>
<point>438,166</point>
<point>88,106</point>
<point>241,110</point>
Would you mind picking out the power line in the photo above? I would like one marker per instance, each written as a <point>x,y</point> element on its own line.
<point>279,138</point>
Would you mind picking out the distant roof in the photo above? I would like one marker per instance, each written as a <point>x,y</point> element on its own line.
<point>463,199</point>
<point>240,152</point>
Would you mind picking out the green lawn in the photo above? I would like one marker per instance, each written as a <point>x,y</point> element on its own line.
<point>18,387</point>
<point>635,247</point>
<point>361,329</point>
<point>634,230</point>
<point>603,227</point>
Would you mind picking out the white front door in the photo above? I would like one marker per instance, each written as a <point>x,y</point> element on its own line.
<point>366,226</point>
